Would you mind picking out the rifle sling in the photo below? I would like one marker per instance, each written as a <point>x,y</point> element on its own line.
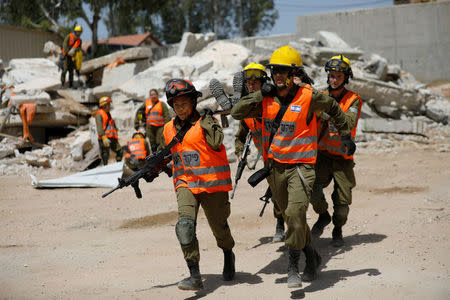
<point>275,125</point>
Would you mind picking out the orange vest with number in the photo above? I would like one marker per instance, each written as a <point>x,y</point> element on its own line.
<point>295,141</point>
<point>74,42</point>
<point>195,165</point>
<point>255,128</point>
<point>137,148</point>
<point>331,140</point>
<point>153,113</point>
<point>109,127</point>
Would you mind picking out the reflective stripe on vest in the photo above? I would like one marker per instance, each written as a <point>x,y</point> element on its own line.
<point>195,165</point>
<point>295,141</point>
<point>109,127</point>
<point>331,140</point>
<point>255,128</point>
<point>154,113</point>
<point>137,148</point>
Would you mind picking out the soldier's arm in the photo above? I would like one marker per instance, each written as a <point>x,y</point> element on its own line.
<point>240,137</point>
<point>99,125</point>
<point>249,106</point>
<point>323,103</point>
<point>166,113</point>
<point>66,44</point>
<point>212,131</point>
<point>351,115</point>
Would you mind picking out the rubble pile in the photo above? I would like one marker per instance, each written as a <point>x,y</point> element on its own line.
<point>397,111</point>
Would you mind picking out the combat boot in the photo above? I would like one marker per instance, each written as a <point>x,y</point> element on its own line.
<point>228,265</point>
<point>194,282</point>
<point>279,231</point>
<point>293,278</point>
<point>313,261</point>
<point>323,220</point>
<point>337,241</point>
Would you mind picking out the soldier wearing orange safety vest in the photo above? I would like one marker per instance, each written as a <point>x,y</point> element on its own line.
<point>333,163</point>
<point>72,44</point>
<point>135,152</point>
<point>254,76</point>
<point>154,114</point>
<point>107,131</point>
<point>290,149</point>
<point>201,176</point>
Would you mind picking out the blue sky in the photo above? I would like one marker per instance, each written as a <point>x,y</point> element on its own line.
<point>287,10</point>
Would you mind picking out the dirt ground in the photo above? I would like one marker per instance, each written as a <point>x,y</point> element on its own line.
<point>71,243</point>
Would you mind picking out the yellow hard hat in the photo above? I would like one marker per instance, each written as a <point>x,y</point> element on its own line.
<point>285,56</point>
<point>138,132</point>
<point>104,100</point>
<point>254,71</point>
<point>339,63</point>
<point>78,28</point>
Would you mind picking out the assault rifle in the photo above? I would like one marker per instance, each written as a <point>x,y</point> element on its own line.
<point>242,162</point>
<point>265,199</point>
<point>155,164</point>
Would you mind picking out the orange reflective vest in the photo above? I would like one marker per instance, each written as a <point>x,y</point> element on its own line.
<point>195,165</point>
<point>331,140</point>
<point>137,149</point>
<point>109,127</point>
<point>295,141</point>
<point>74,42</point>
<point>255,128</point>
<point>154,113</point>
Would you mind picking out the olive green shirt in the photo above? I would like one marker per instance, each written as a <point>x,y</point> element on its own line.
<point>250,106</point>
<point>99,124</point>
<point>66,46</point>
<point>351,115</point>
<point>141,111</point>
<point>212,130</point>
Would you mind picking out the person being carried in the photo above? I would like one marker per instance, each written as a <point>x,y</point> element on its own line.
<point>108,138</point>
<point>154,114</point>
<point>71,45</point>
<point>288,113</point>
<point>201,177</point>
<point>333,163</point>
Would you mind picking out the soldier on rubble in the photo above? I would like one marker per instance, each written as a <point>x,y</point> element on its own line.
<point>289,135</point>
<point>201,176</point>
<point>255,76</point>
<point>108,138</point>
<point>71,45</point>
<point>333,163</point>
<point>154,114</point>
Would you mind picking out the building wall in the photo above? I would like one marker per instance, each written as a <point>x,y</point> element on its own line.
<point>415,36</point>
<point>18,42</point>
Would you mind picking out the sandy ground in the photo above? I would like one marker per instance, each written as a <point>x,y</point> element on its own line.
<point>71,243</point>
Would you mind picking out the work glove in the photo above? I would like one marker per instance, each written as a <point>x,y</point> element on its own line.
<point>105,141</point>
<point>72,52</point>
<point>205,112</point>
<point>348,145</point>
<point>268,90</point>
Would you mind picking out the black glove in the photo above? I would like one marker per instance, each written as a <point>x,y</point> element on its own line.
<point>206,111</point>
<point>348,145</point>
<point>268,90</point>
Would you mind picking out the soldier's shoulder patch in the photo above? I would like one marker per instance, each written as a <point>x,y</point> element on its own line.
<point>296,108</point>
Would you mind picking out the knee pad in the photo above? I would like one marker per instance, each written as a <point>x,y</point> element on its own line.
<point>340,214</point>
<point>185,230</point>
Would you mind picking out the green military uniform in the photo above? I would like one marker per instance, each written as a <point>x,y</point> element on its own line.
<point>130,166</point>
<point>340,170</point>
<point>68,63</point>
<point>153,133</point>
<point>114,143</point>
<point>215,205</point>
<point>291,195</point>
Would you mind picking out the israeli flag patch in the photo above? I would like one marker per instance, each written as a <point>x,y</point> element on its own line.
<point>296,108</point>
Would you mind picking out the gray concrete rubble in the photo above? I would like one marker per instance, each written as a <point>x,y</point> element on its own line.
<point>113,78</point>
<point>31,96</point>
<point>392,126</point>
<point>331,40</point>
<point>25,70</point>
<point>129,55</point>
<point>80,95</point>
<point>191,43</point>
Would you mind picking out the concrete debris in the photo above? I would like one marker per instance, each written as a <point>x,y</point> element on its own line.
<point>323,54</point>
<point>24,70</point>
<point>81,96</point>
<point>113,78</point>
<point>191,43</point>
<point>31,96</point>
<point>331,40</point>
<point>393,73</point>
<point>44,84</point>
<point>438,109</point>
<point>130,55</point>
<point>377,66</point>
<point>392,126</point>
<point>81,145</point>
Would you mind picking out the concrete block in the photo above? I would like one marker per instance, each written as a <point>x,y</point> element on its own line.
<point>81,145</point>
<point>130,54</point>
<point>393,72</point>
<point>438,109</point>
<point>44,84</point>
<point>81,96</point>
<point>392,126</point>
<point>323,54</point>
<point>31,96</point>
<point>24,70</point>
<point>331,40</point>
<point>36,161</point>
<point>191,43</point>
<point>378,66</point>
<point>118,75</point>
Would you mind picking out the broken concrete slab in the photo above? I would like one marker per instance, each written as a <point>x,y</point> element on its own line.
<point>113,78</point>
<point>81,96</point>
<point>105,176</point>
<point>392,126</point>
<point>331,40</point>
<point>31,96</point>
<point>55,119</point>
<point>71,106</point>
<point>393,72</point>
<point>44,84</point>
<point>438,109</point>
<point>26,69</point>
<point>323,54</point>
<point>81,145</point>
<point>191,43</point>
<point>377,66</point>
<point>130,54</point>
<point>225,55</point>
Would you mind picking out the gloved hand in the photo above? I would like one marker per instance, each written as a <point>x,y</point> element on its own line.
<point>206,111</point>
<point>268,90</point>
<point>348,145</point>
<point>105,141</point>
<point>72,52</point>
